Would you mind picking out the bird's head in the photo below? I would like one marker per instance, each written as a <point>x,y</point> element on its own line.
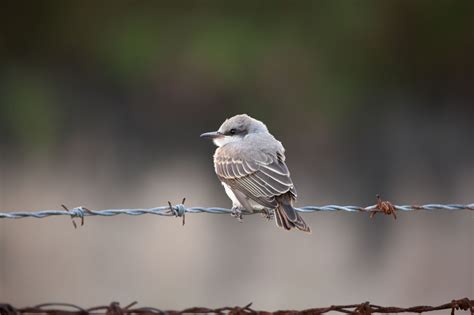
<point>235,129</point>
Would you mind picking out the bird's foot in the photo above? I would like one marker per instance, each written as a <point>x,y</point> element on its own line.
<point>267,214</point>
<point>237,213</point>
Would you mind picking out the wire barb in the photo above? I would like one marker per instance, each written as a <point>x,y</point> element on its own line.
<point>385,207</point>
<point>463,304</point>
<point>178,210</point>
<point>77,212</point>
<point>363,309</point>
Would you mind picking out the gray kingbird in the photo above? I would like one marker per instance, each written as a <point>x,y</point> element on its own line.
<point>250,163</point>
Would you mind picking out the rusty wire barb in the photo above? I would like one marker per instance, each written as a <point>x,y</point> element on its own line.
<point>180,210</point>
<point>114,308</point>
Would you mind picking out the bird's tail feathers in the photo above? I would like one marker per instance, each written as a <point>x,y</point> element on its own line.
<point>287,217</point>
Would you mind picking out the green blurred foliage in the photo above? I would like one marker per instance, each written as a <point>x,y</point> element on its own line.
<point>29,111</point>
<point>319,58</point>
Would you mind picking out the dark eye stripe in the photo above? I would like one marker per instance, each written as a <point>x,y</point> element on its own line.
<point>232,132</point>
<point>235,131</point>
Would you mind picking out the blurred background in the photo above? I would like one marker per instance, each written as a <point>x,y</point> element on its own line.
<point>102,104</point>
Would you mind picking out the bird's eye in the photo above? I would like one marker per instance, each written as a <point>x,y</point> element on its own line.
<point>232,131</point>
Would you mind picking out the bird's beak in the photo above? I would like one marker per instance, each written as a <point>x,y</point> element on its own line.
<point>211,135</point>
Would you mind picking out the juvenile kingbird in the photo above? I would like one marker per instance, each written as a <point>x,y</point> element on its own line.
<point>250,163</point>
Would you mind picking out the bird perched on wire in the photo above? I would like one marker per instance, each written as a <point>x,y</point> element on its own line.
<point>250,163</point>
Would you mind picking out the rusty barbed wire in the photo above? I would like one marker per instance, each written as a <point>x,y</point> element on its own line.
<point>114,308</point>
<point>180,210</point>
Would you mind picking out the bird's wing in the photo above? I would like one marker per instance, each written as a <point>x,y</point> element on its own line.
<point>261,179</point>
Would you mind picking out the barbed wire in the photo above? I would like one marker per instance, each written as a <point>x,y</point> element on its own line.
<point>114,308</point>
<point>180,210</point>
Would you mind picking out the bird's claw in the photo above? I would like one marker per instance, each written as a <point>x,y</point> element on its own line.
<point>267,214</point>
<point>237,213</point>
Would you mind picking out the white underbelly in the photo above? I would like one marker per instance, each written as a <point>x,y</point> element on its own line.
<point>230,193</point>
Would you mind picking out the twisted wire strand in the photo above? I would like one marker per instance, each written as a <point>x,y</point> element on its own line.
<point>181,210</point>
<point>114,308</point>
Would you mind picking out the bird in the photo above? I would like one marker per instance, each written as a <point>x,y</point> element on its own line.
<point>250,163</point>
